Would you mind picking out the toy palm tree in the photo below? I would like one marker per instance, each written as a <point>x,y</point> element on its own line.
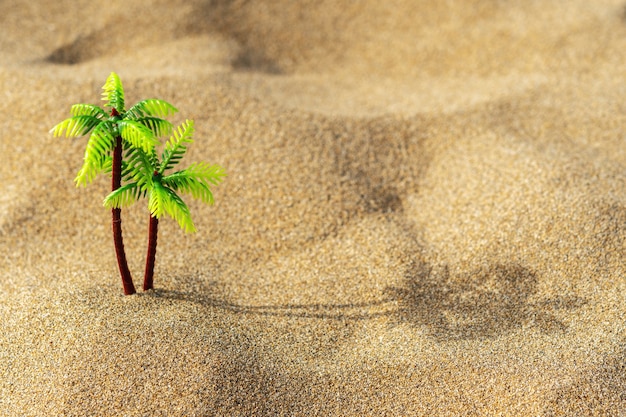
<point>146,177</point>
<point>138,127</point>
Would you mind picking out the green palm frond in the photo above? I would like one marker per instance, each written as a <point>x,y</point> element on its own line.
<point>196,180</point>
<point>113,93</point>
<point>101,142</point>
<point>164,200</point>
<point>87,173</point>
<point>139,167</point>
<point>137,134</point>
<point>157,200</point>
<point>124,196</point>
<point>75,126</point>
<point>184,184</point>
<point>107,165</point>
<point>152,107</point>
<point>176,146</point>
<point>206,173</point>
<point>160,127</point>
<point>88,110</point>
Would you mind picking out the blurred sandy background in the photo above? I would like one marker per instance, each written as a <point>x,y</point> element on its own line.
<point>425,212</point>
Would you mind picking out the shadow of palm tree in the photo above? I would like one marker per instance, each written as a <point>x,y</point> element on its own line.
<point>209,296</point>
<point>484,304</point>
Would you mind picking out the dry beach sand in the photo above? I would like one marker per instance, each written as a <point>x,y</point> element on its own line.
<point>424,214</point>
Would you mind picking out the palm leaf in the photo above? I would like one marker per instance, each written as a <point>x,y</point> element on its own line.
<point>164,200</point>
<point>138,135</point>
<point>176,146</point>
<point>157,201</point>
<point>124,196</point>
<point>195,180</point>
<point>101,143</point>
<point>160,127</point>
<point>75,126</point>
<point>185,184</point>
<point>152,107</point>
<point>88,110</point>
<point>107,165</point>
<point>113,93</point>
<point>139,167</point>
<point>206,173</point>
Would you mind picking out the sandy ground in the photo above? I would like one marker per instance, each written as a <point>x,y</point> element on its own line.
<point>424,215</point>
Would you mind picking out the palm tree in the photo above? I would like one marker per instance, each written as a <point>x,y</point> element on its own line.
<point>111,132</point>
<point>147,178</point>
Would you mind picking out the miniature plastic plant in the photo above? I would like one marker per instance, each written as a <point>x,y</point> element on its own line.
<point>111,132</point>
<point>146,177</point>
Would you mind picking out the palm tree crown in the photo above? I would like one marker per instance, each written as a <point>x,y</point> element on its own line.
<point>140,126</point>
<point>146,176</point>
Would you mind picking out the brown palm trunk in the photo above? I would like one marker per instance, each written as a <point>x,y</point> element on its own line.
<point>151,256</point>
<point>127,280</point>
<point>116,182</point>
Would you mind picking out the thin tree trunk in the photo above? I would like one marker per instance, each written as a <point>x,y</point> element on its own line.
<point>116,221</point>
<point>127,280</point>
<point>151,256</point>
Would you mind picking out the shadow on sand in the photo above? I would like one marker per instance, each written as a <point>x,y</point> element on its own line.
<point>484,304</point>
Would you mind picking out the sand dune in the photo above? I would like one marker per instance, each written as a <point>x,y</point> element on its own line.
<point>424,212</point>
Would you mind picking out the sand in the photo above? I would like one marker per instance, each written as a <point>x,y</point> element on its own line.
<point>424,214</point>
